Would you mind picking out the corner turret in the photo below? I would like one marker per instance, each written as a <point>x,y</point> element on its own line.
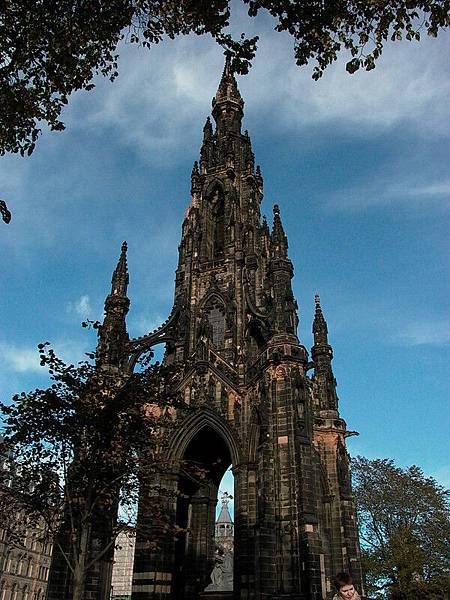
<point>112,334</point>
<point>279,241</point>
<point>322,355</point>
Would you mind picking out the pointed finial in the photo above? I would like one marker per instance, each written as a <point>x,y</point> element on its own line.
<point>119,280</point>
<point>195,181</point>
<point>207,129</point>
<point>259,177</point>
<point>320,329</point>
<point>277,230</point>
<point>278,237</point>
<point>227,68</point>
<point>228,89</point>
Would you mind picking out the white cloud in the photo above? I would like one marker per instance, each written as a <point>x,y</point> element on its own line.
<point>389,191</point>
<point>162,95</point>
<point>158,100</point>
<point>389,322</point>
<point>143,324</point>
<point>20,359</point>
<point>81,307</point>
<point>434,332</point>
<point>407,88</point>
<point>23,359</point>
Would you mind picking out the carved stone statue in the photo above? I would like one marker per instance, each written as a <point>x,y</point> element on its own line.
<point>222,574</point>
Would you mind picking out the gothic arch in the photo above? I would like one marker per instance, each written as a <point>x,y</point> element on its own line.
<point>212,316</point>
<point>204,417</point>
<point>212,297</point>
<point>213,185</point>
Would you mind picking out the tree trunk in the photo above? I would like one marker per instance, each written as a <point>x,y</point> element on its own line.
<point>81,560</point>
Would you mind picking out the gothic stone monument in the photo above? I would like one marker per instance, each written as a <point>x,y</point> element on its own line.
<point>259,403</point>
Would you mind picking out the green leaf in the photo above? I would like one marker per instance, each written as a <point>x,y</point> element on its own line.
<point>353,65</point>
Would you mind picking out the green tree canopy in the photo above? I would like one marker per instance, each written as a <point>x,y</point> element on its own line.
<point>404,520</point>
<point>50,49</point>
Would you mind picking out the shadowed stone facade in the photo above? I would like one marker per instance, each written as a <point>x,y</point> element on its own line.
<point>259,403</point>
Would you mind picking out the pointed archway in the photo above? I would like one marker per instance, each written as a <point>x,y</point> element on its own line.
<point>205,460</point>
<point>201,450</point>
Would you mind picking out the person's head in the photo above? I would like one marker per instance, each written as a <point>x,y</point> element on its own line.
<point>344,584</point>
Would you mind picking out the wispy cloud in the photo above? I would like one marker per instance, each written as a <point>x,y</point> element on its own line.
<point>81,307</point>
<point>434,332</point>
<point>20,359</point>
<point>25,359</point>
<point>162,95</point>
<point>392,192</point>
<point>145,323</point>
<point>387,321</point>
<point>159,99</point>
<point>400,92</point>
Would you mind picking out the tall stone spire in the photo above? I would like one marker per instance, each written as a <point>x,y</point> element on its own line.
<point>322,355</point>
<point>112,334</point>
<point>320,329</point>
<point>228,104</point>
<point>278,237</point>
<point>120,279</point>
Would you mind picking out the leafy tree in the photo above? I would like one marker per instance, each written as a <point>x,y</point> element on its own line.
<point>404,520</point>
<point>50,49</point>
<point>75,452</point>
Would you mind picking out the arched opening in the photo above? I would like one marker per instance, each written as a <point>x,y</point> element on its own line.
<point>205,460</point>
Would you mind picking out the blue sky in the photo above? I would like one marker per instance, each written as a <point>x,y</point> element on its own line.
<point>359,166</point>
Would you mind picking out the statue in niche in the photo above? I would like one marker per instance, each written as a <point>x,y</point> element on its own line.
<point>204,331</point>
<point>183,320</point>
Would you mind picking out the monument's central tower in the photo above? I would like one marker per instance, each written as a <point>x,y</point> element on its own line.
<point>233,277</point>
<point>233,328</point>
